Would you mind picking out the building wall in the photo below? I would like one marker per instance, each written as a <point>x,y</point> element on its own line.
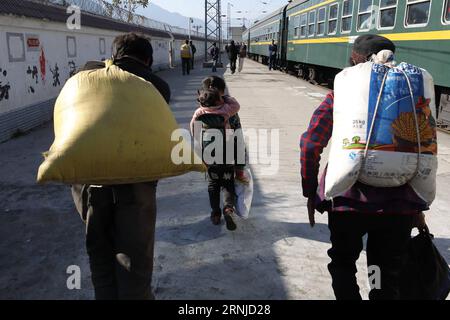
<point>38,56</point>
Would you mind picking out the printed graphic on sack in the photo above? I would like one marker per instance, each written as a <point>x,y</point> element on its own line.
<point>384,131</point>
<point>395,124</point>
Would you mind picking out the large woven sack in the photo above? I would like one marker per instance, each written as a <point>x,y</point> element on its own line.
<point>112,127</point>
<point>375,132</point>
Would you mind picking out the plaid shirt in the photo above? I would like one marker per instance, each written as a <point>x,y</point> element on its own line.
<point>312,144</point>
<point>361,197</point>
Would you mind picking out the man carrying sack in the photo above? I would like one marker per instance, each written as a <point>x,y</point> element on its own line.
<point>120,219</point>
<point>386,214</point>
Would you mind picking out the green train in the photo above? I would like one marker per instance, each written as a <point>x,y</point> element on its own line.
<point>315,37</point>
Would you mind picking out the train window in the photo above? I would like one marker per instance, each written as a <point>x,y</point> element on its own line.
<point>332,18</point>
<point>347,14</point>
<point>303,20</point>
<point>296,26</point>
<point>447,12</point>
<point>387,14</point>
<point>417,12</point>
<point>312,23</point>
<point>364,15</point>
<point>321,22</point>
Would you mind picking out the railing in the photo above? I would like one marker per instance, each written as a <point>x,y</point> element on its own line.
<point>104,8</point>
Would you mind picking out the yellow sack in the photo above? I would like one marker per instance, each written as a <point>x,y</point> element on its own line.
<point>112,127</point>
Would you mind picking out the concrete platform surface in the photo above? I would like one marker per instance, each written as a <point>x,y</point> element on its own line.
<point>273,255</point>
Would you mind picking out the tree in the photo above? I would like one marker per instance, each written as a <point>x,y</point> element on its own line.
<point>129,7</point>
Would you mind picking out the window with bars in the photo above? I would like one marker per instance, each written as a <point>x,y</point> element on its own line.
<point>364,15</point>
<point>387,14</point>
<point>447,11</point>
<point>347,15</point>
<point>303,23</point>
<point>417,12</point>
<point>332,18</point>
<point>296,27</point>
<point>312,23</point>
<point>321,21</point>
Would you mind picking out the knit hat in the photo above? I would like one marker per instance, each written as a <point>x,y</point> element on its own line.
<point>369,44</point>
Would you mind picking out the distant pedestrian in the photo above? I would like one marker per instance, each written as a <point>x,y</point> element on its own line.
<point>242,56</point>
<point>193,51</point>
<point>186,57</point>
<point>233,53</point>
<point>273,50</point>
<point>215,53</point>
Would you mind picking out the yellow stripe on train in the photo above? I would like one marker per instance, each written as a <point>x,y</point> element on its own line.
<point>409,36</point>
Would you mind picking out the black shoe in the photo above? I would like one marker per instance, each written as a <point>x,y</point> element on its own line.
<point>228,215</point>
<point>216,218</point>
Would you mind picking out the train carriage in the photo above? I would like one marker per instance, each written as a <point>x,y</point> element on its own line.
<point>319,35</point>
<point>262,34</point>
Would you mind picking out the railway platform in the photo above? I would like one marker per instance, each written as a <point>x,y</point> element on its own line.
<point>274,254</point>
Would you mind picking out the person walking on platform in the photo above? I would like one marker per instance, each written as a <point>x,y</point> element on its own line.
<point>215,112</point>
<point>215,53</point>
<point>273,50</point>
<point>120,219</point>
<point>242,56</point>
<point>386,215</point>
<point>193,52</point>
<point>186,57</point>
<point>233,53</point>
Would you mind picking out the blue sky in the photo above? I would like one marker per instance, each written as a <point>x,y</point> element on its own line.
<point>250,9</point>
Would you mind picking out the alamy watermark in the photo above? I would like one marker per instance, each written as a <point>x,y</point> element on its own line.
<point>242,146</point>
<point>74,20</point>
<point>74,280</point>
<point>374,273</point>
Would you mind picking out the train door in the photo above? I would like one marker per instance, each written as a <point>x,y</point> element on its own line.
<point>284,32</point>
<point>171,54</point>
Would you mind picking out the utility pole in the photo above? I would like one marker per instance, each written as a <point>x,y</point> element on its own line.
<point>229,20</point>
<point>190,22</point>
<point>213,26</point>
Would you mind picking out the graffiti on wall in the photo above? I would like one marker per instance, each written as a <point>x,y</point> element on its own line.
<point>4,88</point>
<point>34,74</point>
<point>55,74</point>
<point>42,64</point>
<point>72,68</point>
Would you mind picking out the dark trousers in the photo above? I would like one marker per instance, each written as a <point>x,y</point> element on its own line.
<point>192,62</point>
<point>233,65</point>
<point>272,61</point>
<point>186,65</point>
<point>387,244</point>
<point>120,235</point>
<point>214,67</point>
<point>221,177</point>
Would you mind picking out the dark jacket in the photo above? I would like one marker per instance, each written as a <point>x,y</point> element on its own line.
<point>243,51</point>
<point>137,68</point>
<point>273,48</point>
<point>214,52</point>
<point>233,52</point>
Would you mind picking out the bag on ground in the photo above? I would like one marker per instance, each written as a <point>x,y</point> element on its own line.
<point>384,131</point>
<point>112,127</point>
<point>244,195</point>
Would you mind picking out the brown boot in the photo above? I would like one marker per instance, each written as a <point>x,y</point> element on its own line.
<point>228,215</point>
